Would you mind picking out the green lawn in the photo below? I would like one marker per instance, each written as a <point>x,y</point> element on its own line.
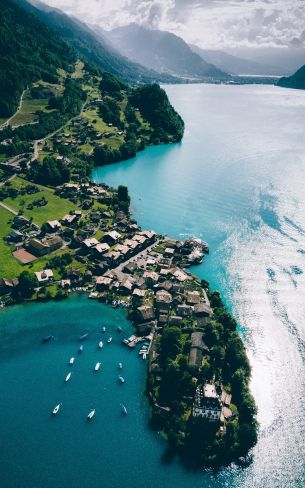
<point>55,209</point>
<point>9,266</point>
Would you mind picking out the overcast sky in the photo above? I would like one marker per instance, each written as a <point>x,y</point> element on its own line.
<point>207,23</point>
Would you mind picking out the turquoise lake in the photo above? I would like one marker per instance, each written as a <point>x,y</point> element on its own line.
<point>237,180</point>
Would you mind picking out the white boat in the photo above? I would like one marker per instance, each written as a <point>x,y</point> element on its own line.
<point>120,365</point>
<point>100,344</point>
<point>124,409</point>
<point>109,340</point>
<point>71,360</point>
<point>121,379</point>
<point>68,376</point>
<point>81,347</point>
<point>91,414</point>
<point>104,329</point>
<point>97,366</point>
<point>56,409</point>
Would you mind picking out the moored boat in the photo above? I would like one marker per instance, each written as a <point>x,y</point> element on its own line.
<point>91,414</point>
<point>120,365</point>
<point>80,349</point>
<point>109,340</point>
<point>104,329</point>
<point>100,344</point>
<point>124,409</point>
<point>82,337</point>
<point>97,366</point>
<point>68,376</point>
<point>56,409</point>
<point>121,379</point>
<point>71,360</point>
<point>119,329</point>
<point>47,338</point>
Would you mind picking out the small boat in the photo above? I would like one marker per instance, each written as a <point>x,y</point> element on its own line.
<point>120,365</point>
<point>68,377</point>
<point>121,379</point>
<point>104,329</point>
<point>80,349</point>
<point>119,329</point>
<point>109,340</point>
<point>124,409</point>
<point>91,414</point>
<point>100,344</point>
<point>47,338</point>
<point>97,366</point>
<point>125,341</point>
<point>71,360</point>
<point>56,409</point>
<point>82,337</point>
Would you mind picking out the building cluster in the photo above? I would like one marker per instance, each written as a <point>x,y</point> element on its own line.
<point>212,403</point>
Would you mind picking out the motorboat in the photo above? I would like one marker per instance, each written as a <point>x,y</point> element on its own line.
<point>100,344</point>
<point>109,340</point>
<point>104,329</point>
<point>119,329</point>
<point>91,414</point>
<point>124,409</point>
<point>82,337</point>
<point>121,379</point>
<point>56,409</point>
<point>80,349</point>
<point>47,338</point>
<point>120,365</point>
<point>71,360</point>
<point>68,376</point>
<point>97,366</point>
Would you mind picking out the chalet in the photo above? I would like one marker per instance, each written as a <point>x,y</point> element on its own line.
<point>137,293</point>
<point>113,258</point>
<point>111,237</point>
<point>7,286</point>
<point>151,278</point>
<point>68,219</point>
<point>74,275</point>
<point>127,285</point>
<point>44,276</point>
<point>192,297</point>
<point>89,243</point>
<point>44,246</point>
<point>207,403</point>
<point>123,250</point>
<point>163,300</point>
<point>65,284</point>
<point>165,262</point>
<point>53,225</point>
<point>203,310</point>
<point>169,252</point>
<point>185,310</point>
<point>101,249</point>
<point>145,313</point>
<point>176,320</point>
<point>179,275</point>
<point>130,267</point>
<point>16,236</point>
<point>166,285</point>
<point>103,283</point>
<point>149,234</point>
<point>198,349</point>
<point>163,318</point>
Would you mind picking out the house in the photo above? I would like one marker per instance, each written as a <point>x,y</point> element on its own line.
<point>44,276</point>
<point>149,234</point>
<point>207,403</point>
<point>151,278</point>
<point>65,284</point>
<point>53,225</point>
<point>203,310</point>
<point>163,300</point>
<point>89,243</point>
<point>145,313</point>
<point>165,262</point>
<point>113,258</point>
<point>44,246</point>
<point>192,297</point>
<point>127,285</point>
<point>74,275</point>
<point>130,267</point>
<point>111,237</point>
<point>137,293</point>
<point>6,285</point>
<point>169,252</point>
<point>68,219</point>
<point>103,283</point>
<point>101,248</point>
<point>16,236</point>
<point>198,349</point>
<point>185,310</point>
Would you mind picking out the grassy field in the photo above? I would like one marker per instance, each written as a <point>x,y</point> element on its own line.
<point>79,67</point>
<point>29,106</point>
<point>9,266</point>
<point>55,209</point>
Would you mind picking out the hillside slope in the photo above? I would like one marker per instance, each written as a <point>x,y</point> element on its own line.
<point>297,80</point>
<point>28,51</point>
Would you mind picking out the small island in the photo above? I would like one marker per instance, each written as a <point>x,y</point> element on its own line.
<point>62,233</point>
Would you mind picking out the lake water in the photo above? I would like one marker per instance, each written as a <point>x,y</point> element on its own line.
<point>237,180</point>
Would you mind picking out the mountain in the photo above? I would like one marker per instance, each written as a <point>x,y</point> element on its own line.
<point>297,80</point>
<point>236,65</point>
<point>92,47</point>
<point>163,52</point>
<point>28,51</point>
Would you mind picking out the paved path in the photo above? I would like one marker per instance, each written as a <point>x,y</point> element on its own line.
<point>9,179</point>
<point>9,209</point>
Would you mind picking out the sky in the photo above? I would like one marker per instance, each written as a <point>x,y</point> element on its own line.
<point>208,23</point>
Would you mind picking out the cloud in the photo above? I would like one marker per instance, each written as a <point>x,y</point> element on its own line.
<point>209,23</point>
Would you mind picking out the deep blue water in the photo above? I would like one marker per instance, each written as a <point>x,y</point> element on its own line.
<point>237,180</point>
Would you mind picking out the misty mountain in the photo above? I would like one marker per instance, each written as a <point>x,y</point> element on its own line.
<point>163,52</point>
<point>297,80</point>
<point>91,47</point>
<point>236,65</point>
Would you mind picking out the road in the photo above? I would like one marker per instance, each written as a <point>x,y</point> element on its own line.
<point>6,123</point>
<point>136,256</point>
<point>9,209</point>
<point>9,179</point>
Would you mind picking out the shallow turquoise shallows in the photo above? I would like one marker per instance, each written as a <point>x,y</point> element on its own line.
<point>237,180</point>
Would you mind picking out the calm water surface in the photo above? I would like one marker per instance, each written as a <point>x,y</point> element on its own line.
<point>237,180</point>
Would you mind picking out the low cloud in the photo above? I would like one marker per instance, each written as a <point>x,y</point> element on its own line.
<point>209,23</point>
